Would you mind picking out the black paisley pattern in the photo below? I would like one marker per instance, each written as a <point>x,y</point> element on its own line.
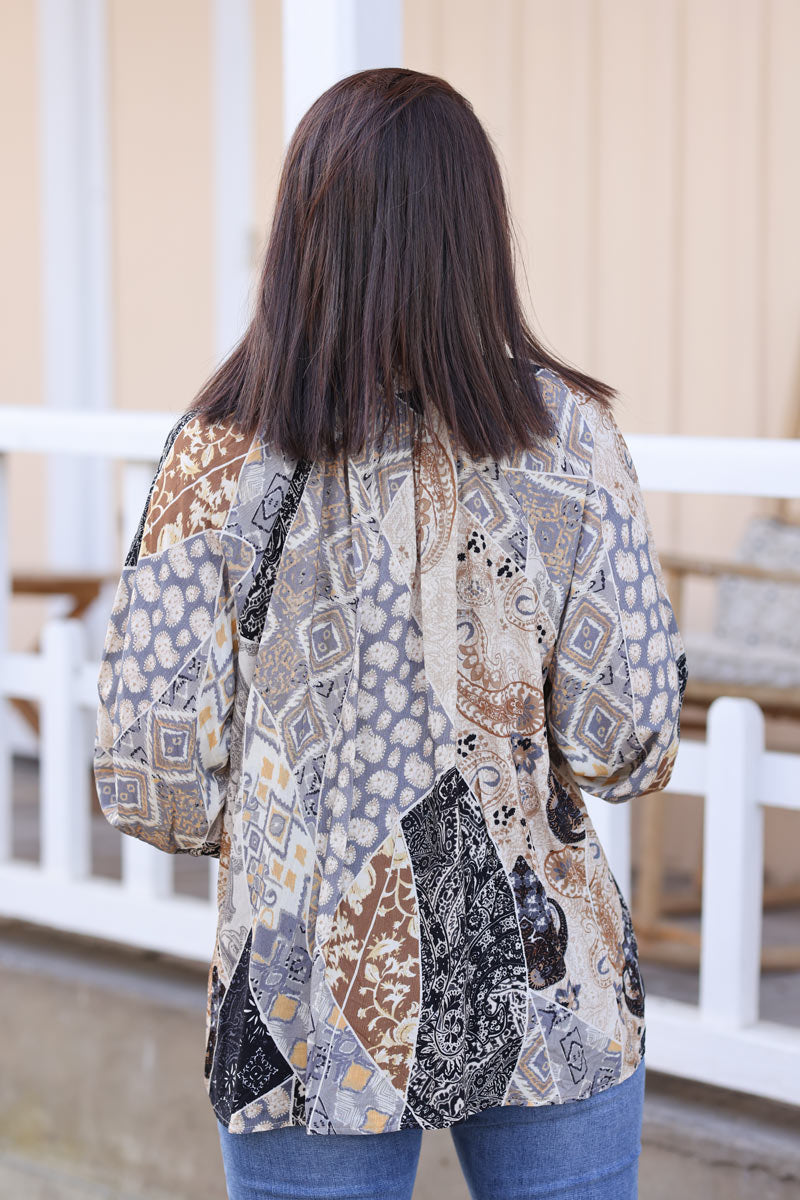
<point>246,1062</point>
<point>474,987</point>
<point>632,982</point>
<point>683,679</point>
<point>543,926</point>
<point>254,609</point>
<point>564,816</point>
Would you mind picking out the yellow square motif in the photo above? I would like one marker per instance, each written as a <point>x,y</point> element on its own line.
<point>374,1121</point>
<point>299,1055</point>
<point>283,1008</point>
<point>356,1077</point>
<point>335,1018</point>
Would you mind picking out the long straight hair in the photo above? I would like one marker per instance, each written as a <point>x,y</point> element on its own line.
<point>389,269</point>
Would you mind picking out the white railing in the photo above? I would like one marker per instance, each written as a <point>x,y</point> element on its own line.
<point>720,1041</point>
<point>58,890</point>
<point>142,909</point>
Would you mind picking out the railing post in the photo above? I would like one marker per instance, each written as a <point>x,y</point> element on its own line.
<point>733,865</point>
<point>64,799</point>
<point>213,878</point>
<point>146,870</point>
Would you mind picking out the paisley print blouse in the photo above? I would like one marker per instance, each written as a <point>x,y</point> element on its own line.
<point>375,689</point>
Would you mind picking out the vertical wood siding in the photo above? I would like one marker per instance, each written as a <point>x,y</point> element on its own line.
<point>650,149</point>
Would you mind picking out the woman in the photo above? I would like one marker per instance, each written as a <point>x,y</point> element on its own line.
<point>392,604</point>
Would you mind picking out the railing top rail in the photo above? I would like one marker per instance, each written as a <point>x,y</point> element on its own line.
<point>779,775</point>
<point>738,466</point>
<point>131,436</point>
<point>717,466</point>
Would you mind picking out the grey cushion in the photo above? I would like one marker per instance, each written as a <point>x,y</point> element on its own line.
<point>718,660</point>
<point>756,614</point>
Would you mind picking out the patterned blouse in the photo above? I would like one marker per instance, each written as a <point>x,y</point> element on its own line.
<point>374,688</point>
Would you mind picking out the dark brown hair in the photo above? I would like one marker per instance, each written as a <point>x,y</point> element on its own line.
<point>389,264</point>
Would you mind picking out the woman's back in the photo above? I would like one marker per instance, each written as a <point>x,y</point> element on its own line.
<point>374,686</point>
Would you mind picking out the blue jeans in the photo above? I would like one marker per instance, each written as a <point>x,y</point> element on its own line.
<point>582,1150</point>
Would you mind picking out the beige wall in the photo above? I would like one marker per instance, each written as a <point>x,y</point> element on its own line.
<point>162,162</point>
<point>650,149</point>
<point>21,375</point>
<point>643,142</point>
<point>161,170</point>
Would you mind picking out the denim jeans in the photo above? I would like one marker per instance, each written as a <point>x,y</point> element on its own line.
<point>581,1150</point>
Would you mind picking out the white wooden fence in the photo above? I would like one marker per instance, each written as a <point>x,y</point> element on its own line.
<point>721,1040</point>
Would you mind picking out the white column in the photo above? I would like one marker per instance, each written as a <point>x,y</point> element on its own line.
<point>64,779</point>
<point>76,283</point>
<point>146,871</point>
<point>233,170</point>
<point>733,865</point>
<point>324,40</point>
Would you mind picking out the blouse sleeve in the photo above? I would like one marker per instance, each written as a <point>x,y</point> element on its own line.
<point>168,667</point>
<point>617,676</point>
